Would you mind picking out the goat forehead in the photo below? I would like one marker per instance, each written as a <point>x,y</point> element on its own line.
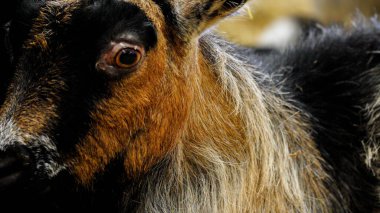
<point>93,18</point>
<point>150,8</point>
<point>57,55</point>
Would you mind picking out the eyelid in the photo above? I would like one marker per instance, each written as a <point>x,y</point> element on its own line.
<point>128,37</point>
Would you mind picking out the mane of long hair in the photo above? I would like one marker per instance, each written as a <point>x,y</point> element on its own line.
<point>244,149</point>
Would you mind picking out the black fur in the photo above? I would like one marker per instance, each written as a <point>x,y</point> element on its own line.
<point>5,60</point>
<point>332,75</point>
<point>92,27</point>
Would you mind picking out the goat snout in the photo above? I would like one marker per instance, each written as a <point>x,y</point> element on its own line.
<point>15,167</point>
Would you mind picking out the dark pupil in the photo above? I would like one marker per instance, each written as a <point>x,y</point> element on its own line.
<point>128,56</point>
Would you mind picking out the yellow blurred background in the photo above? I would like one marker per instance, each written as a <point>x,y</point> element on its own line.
<point>260,13</point>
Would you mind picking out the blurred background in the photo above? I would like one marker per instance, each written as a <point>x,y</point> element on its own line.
<point>261,16</point>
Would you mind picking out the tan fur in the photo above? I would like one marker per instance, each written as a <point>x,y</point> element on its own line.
<point>244,150</point>
<point>231,146</point>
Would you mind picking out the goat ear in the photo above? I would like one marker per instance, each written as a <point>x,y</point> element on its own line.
<point>201,14</point>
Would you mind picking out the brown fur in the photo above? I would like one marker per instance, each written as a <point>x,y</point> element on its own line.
<point>232,147</point>
<point>143,130</point>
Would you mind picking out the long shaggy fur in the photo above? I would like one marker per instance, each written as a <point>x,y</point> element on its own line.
<point>236,152</point>
<point>202,125</point>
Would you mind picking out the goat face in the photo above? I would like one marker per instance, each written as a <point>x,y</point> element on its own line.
<point>98,81</point>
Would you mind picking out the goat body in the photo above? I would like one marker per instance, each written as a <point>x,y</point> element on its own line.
<point>134,106</point>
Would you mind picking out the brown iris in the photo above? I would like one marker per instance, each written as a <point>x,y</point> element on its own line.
<point>128,58</point>
<point>121,58</point>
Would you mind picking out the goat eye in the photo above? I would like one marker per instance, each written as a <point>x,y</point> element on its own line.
<point>128,57</point>
<point>120,58</point>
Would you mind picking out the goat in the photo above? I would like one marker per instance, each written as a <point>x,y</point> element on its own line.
<point>137,106</point>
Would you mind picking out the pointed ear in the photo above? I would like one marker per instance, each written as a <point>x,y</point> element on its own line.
<point>198,15</point>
